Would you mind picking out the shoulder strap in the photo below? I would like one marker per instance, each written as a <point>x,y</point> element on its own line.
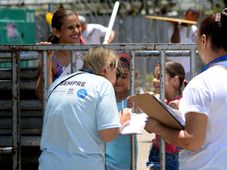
<point>61,83</point>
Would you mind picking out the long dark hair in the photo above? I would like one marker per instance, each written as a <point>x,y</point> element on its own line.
<point>57,22</point>
<point>176,69</point>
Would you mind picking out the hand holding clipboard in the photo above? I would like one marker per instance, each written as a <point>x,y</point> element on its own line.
<point>158,110</point>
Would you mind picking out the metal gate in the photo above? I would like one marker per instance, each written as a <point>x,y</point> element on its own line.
<point>15,53</point>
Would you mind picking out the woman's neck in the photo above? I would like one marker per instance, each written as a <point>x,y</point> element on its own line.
<point>63,54</point>
<point>122,95</point>
<point>213,55</point>
<point>64,57</point>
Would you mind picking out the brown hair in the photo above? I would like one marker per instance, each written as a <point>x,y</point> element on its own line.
<point>59,16</point>
<point>57,22</point>
<point>176,69</point>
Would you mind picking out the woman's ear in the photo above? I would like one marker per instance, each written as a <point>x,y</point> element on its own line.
<point>176,82</point>
<point>204,41</point>
<point>56,32</point>
<point>103,72</point>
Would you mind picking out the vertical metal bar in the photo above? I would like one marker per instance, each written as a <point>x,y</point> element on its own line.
<point>45,73</point>
<point>132,75</point>
<point>193,63</point>
<point>162,97</point>
<point>132,91</point>
<point>16,110</point>
<point>73,62</point>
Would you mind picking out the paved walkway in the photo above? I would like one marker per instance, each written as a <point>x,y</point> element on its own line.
<point>144,143</point>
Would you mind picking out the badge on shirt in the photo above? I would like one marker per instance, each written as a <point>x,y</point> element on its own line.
<point>82,93</point>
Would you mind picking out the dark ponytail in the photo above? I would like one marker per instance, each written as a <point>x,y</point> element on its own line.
<point>176,69</point>
<point>224,17</point>
<point>215,26</point>
<point>53,39</point>
<point>224,28</point>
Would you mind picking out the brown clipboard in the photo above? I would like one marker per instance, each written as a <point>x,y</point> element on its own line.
<point>156,109</point>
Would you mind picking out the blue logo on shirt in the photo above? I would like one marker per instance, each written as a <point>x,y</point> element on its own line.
<point>82,93</point>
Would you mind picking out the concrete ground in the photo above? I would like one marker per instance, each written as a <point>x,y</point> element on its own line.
<point>144,143</point>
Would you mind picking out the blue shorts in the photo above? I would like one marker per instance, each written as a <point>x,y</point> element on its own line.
<point>172,162</point>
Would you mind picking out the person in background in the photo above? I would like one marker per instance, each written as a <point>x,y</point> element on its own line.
<point>118,151</point>
<point>204,103</point>
<point>174,80</point>
<point>184,33</point>
<point>93,33</point>
<point>81,115</point>
<point>66,29</point>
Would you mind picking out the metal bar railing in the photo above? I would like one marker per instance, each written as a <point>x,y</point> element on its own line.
<point>136,50</point>
<point>16,149</point>
<point>73,60</point>
<point>132,91</point>
<point>45,73</point>
<point>118,47</point>
<point>162,97</point>
<point>193,64</point>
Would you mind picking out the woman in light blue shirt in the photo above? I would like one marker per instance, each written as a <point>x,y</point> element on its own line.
<point>81,115</point>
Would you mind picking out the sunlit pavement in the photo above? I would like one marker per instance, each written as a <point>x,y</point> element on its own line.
<point>144,143</point>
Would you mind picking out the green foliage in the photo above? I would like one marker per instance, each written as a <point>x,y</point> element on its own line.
<point>146,83</point>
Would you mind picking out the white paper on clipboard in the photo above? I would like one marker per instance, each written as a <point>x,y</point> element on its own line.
<point>135,125</point>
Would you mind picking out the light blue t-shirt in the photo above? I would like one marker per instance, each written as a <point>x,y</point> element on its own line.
<point>118,151</point>
<point>76,110</point>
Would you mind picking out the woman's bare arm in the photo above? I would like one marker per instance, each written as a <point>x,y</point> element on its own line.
<point>39,85</point>
<point>191,138</point>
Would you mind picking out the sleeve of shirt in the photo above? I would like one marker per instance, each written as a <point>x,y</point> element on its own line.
<point>196,98</point>
<point>107,112</point>
<point>103,30</point>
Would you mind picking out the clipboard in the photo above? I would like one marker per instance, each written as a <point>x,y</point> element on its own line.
<point>158,110</point>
